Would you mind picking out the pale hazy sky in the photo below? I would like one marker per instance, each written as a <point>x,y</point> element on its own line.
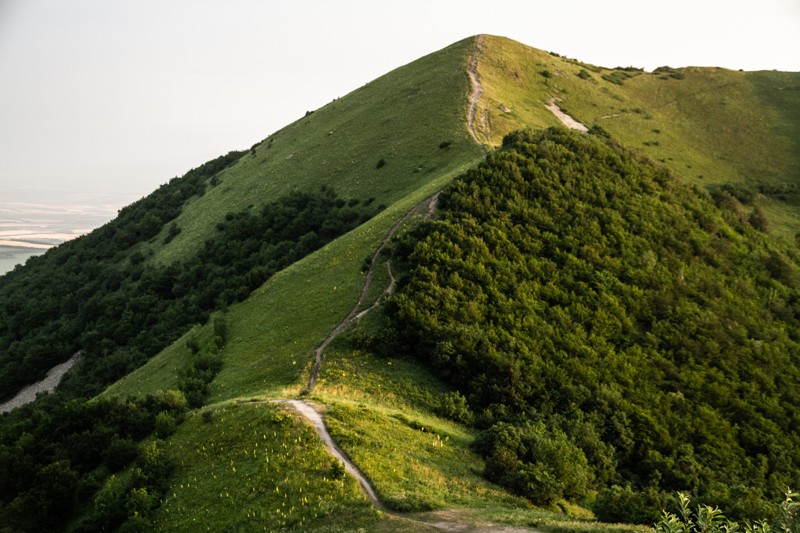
<point>122,95</point>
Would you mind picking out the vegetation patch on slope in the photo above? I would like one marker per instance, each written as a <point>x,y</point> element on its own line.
<point>711,126</point>
<point>256,467</point>
<point>590,306</point>
<point>133,310</point>
<point>63,465</point>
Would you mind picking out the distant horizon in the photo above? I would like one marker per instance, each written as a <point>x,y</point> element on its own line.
<point>123,96</point>
<point>32,219</point>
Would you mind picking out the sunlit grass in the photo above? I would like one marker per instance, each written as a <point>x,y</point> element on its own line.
<point>256,467</point>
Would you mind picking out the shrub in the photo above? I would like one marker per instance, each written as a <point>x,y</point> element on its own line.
<point>381,163</point>
<point>337,470</point>
<point>165,425</point>
<point>534,461</point>
<point>707,519</point>
<point>759,220</point>
<point>453,405</point>
<point>623,504</point>
<point>119,453</point>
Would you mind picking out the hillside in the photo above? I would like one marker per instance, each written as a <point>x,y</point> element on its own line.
<point>187,291</point>
<point>600,314</point>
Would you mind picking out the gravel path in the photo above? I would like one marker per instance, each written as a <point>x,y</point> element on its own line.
<point>565,119</point>
<point>50,382</point>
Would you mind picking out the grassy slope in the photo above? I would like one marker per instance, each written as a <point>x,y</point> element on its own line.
<point>371,402</point>
<point>712,127</point>
<point>401,118</point>
<point>273,333</point>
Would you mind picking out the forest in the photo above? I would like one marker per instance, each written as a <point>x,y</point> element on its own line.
<point>617,335</point>
<point>99,294</point>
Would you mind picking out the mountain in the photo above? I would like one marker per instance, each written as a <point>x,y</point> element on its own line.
<point>558,301</point>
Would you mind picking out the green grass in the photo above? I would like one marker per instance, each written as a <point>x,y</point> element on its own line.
<point>712,127</point>
<point>382,411</point>
<point>256,467</point>
<point>272,334</point>
<point>402,118</point>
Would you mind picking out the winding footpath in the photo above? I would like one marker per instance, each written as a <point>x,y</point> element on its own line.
<point>428,210</point>
<point>315,418</point>
<point>430,205</point>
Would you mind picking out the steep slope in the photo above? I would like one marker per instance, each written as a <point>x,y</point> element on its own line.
<point>601,314</point>
<point>411,119</point>
<point>712,126</point>
<point>373,146</point>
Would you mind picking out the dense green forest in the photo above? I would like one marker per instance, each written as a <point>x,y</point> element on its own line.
<point>55,457</point>
<point>614,331</point>
<point>100,295</point>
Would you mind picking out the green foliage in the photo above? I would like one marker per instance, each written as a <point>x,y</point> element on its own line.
<point>570,283</point>
<point>55,456</point>
<point>708,519</point>
<point>129,312</point>
<point>666,73</point>
<point>165,425</point>
<point>453,405</point>
<point>257,467</point>
<point>620,75</point>
<point>534,461</point>
<point>624,504</point>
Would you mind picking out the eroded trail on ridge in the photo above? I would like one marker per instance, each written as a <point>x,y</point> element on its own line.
<point>429,204</point>
<point>565,119</point>
<point>441,520</point>
<point>477,90</point>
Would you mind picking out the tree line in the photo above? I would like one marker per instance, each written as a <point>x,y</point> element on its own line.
<point>100,296</point>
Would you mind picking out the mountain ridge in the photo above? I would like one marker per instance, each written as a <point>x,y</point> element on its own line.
<point>398,141</point>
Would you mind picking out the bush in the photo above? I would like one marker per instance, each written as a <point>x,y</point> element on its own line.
<point>165,425</point>
<point>759,220</point>
<point>534,461</point>
<point>623,504</point>
<point>453,405</point>
<point>707,519</point>
<point>119,453</point>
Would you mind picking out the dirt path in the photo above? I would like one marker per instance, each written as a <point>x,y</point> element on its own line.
<point>477,90</point>
<point>315,418</point>
<point>48,384</point>
<point>430,205</point>
<point>446,520</point>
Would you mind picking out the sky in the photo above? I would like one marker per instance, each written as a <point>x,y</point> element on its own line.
<point>115,97</point>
